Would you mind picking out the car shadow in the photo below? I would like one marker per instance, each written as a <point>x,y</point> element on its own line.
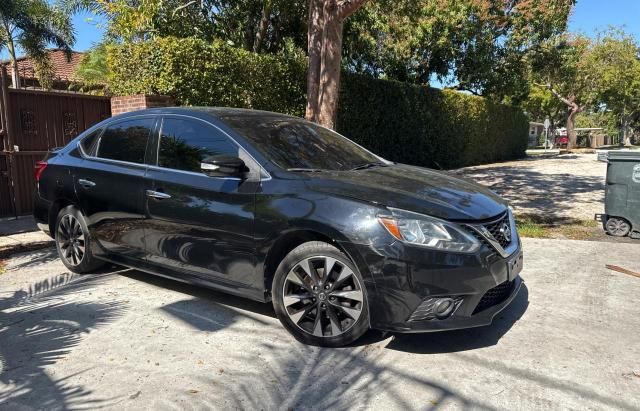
<point>203,298</point>
<point>210,310</point>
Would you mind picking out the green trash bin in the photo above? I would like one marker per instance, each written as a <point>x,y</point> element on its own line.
<point>622,202</point>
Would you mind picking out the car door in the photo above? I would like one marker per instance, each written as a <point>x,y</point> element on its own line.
<point>109,184</point>
<point>199,225</point>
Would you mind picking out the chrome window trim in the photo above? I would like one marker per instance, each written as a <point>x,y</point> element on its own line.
<point>100,129</point>
<point>191,173</point>
<point>86,156</point>
<point>122,120</point>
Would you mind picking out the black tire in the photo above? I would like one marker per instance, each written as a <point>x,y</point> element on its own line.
<point>73,242</point>
<point>339,299</point>
<point>617,227</point>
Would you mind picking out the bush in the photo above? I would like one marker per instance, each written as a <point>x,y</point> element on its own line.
<point>401,122</point>
<point>430,127</point>
<point>197,73</point>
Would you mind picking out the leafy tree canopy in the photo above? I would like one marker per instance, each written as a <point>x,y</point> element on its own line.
<point>477,45</point>
<point>616,62</point>
<point>474,45</point>
<point>256,25</point>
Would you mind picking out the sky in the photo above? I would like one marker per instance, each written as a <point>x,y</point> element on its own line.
<point>589,17</point>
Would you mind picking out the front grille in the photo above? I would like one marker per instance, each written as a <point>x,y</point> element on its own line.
<point>479,236</point>
<point>494,296</point>
<point>496,230</point>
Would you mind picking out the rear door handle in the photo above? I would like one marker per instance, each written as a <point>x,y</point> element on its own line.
<point>157,194</point>
<point>86,183</point>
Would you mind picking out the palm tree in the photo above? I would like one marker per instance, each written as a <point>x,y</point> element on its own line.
<point>33,25</point>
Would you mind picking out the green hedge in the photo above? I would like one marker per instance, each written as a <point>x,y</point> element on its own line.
<point>426,126</point>
<point>401,122</point>
<point>197,73</point>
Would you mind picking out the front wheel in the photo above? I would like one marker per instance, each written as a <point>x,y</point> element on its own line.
<point>319,296</point>
<point>73,242</point>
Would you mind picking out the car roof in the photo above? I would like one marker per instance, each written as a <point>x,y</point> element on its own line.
<point>217,112</point>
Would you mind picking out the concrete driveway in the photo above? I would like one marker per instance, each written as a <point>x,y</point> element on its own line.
<point>567,187</point>
<point>125,340</point>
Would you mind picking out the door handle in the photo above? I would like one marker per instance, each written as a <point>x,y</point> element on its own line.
<point>157,194</point>
<point>86,183</point>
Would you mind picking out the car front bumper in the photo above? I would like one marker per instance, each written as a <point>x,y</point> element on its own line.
<point>403,280</point>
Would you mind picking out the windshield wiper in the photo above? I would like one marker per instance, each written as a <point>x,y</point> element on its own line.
<point>306,170</point>
<point>369,165</point>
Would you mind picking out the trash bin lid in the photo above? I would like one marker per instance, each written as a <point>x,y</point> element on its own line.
<point>627,155</point>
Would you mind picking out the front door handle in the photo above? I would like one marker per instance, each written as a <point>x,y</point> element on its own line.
<point>157,194</point>
<point>86,183</point>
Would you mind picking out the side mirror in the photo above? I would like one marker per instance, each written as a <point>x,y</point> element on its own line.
<point>223,166</point>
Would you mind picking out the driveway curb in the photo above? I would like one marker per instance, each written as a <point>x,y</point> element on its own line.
<point>20,243</point>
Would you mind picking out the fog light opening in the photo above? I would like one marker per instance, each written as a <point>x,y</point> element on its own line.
<point>444,307</point>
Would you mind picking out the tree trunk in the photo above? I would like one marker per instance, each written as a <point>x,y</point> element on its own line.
<point>314,47</point>
<point>15,74</point>
<point>324,43</point>
<point>330,72</point>
<point>262,26</point>
<point>249,35</point>
<point>571,126</point>
<point>625,133</point>
<point>573,107</point>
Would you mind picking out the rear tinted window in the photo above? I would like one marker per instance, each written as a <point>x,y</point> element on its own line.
<point>126,140</point>
<point>185,143</point>
<point>89,142</point>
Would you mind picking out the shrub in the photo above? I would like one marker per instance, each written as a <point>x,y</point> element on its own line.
<point>402,122</point>
<point>197,73</point>
<point>430,127</point>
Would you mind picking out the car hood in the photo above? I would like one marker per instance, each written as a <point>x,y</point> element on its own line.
<point>416,189</point>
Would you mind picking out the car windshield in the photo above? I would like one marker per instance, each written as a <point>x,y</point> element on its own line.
<point>298,145</point>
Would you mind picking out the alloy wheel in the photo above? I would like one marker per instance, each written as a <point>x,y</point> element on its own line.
<point>323,296</point>
<point>618,227</point>
<point>71,239</point>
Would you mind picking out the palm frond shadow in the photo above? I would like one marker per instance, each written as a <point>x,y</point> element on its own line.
<point>39,326</point>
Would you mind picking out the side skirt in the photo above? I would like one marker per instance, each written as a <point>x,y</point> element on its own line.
<point>185,277</point>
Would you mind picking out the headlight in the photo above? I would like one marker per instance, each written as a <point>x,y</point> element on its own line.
<point>428,231</point>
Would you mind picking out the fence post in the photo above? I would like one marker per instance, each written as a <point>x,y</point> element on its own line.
<point>7,131</point>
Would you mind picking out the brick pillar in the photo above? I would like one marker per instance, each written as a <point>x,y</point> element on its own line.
<point>123,104</point>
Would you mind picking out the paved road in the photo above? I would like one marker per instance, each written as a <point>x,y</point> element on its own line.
<point>125,340</point>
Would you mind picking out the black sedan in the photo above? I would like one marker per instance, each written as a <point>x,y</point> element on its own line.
<point>274,208</point>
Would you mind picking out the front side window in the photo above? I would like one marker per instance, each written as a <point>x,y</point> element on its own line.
<point>126,140</point>
<point>293,143</point>
<point>184,143</point>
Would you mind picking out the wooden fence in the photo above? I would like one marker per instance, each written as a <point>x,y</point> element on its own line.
<point>31,123</point>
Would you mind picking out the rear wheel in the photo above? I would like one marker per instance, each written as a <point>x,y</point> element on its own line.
<point>617,227</point>
<point>73,242</point>
<point>319,296</point>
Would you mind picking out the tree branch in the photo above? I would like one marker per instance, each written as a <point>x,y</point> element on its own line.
<point>460,87</point>
<point>348,7</point>
<point>177,9</point>
<point>558,95</point>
